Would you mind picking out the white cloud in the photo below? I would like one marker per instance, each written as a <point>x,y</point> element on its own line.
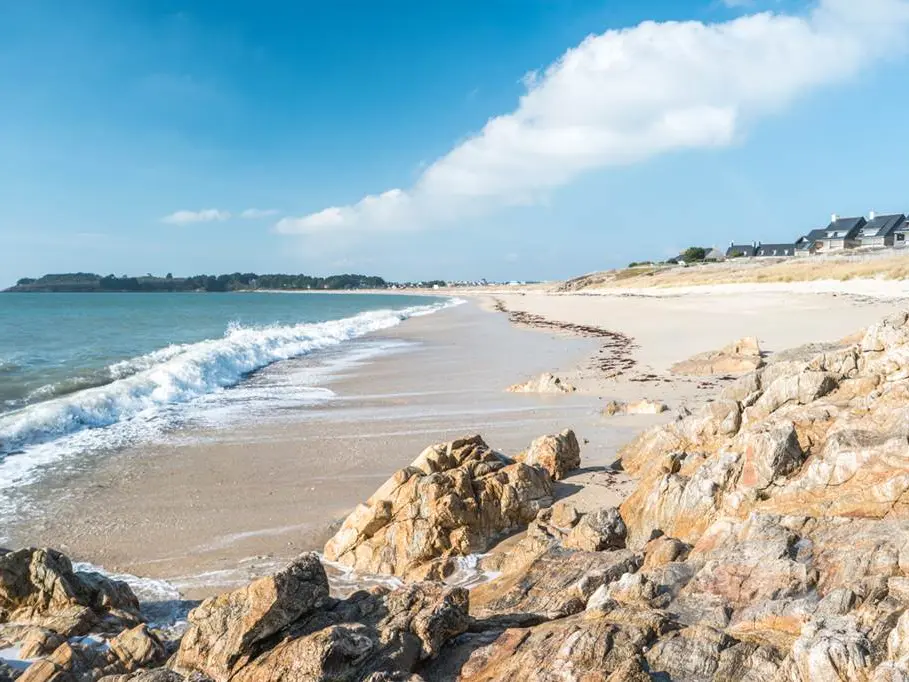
<point>254,213</point>
<point>206,215</point>
<point>628,95</point>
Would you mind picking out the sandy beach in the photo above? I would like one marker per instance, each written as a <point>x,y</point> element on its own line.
<point>214,508</point>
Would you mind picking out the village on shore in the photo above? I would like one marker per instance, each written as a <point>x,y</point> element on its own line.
<point>873,232</point>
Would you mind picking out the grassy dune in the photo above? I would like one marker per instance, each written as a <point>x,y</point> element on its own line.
<point>885,265</point>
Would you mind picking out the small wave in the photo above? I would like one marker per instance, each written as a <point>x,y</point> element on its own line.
<point>160,602</point>
<point>180,373</point>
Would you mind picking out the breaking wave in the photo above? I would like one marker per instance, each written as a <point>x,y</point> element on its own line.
<point>179,373</point>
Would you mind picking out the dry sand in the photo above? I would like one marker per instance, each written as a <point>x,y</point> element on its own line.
<point>214,508</point>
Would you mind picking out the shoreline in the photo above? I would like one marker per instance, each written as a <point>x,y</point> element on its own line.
<point>161,513</point>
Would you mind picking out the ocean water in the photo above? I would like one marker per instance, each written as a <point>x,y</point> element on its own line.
<point>83,373</point>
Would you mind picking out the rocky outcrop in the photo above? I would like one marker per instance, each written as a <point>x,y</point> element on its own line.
<point>453,500</point>
<point>767,541</point>
<point>38,587</point>
<point>739,357</point>
<point>545,383</point>
<point>286,628</point>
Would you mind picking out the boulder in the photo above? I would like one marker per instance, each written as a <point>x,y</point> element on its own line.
<point>739,357</point>
<point>453,500</point>
<point>643,406</point>
<point>545,383</point>
<point>138,648</point>
<point>227,631</point>
<point>558,454</point>
<point>39,587</point>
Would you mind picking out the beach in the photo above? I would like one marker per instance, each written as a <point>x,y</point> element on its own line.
<point>214,507</point>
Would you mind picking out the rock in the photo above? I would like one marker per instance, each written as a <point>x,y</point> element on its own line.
<point>158,675</point>
<point>558,454</point>
<point>644,406</point>
<point>39,642</point>
<point>554,585</point>
<point>545,383</point>
<point>582,647</point>
<point>76,662</point>
<point>739,357</point>
<point>454,500</point>
<point>690,655</point>
<point>138,648</point>
<point>39,587</point>
<point>374,637</point>
<point>597,531</point>
<point>228,630</point>
<point>8,673</point>
<point>831,650</point>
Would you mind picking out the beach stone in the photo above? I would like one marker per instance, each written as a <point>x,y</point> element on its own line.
<point>455,499</point>
<point>558,454</point>
<point>545,383</point>
<point>39,587</point>
<point>228,630</point>
<point>644,406</point>
<point>739,357</point>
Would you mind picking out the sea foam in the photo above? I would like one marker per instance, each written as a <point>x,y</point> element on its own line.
<point>143,387</point>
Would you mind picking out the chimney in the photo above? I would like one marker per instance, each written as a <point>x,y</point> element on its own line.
<point>834,217</point>
<point>872,215</point>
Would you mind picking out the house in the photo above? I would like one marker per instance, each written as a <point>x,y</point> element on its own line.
<point>841,233</point>
<point>900,234</point>
<point>879,230</point>
<point>808,245</point>
<point>741,250</point>
<point>714,256</point>
<point>774,250</point>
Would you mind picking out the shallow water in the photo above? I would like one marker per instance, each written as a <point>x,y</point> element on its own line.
<point>81,373</point>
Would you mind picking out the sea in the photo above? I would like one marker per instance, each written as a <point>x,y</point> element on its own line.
<point>83,374</point>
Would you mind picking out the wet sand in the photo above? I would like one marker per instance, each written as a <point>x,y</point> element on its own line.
<point>214,508</point>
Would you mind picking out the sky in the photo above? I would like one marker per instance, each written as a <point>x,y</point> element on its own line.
<point>457,139</point>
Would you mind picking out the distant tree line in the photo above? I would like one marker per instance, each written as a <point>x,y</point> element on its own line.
<point>246,281</point>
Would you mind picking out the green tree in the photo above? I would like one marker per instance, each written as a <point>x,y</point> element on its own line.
<point>694,254</point>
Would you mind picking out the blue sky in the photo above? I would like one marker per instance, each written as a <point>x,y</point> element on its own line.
<point>208,137</point>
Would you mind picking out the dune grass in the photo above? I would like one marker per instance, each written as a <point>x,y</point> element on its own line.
<point>886,265</point>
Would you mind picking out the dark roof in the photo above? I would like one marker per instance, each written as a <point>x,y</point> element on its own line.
<point>775,250</point>
<point>844,228</point>
<point>746,250</point>
<point>882,225</point>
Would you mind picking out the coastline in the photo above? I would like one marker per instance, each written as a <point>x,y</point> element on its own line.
<point>217,507</point>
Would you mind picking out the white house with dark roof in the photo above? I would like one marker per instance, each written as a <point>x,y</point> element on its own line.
<point>880,230</point>
<point>741,250</point>
<point>840,234</point>
<point>774,251</point>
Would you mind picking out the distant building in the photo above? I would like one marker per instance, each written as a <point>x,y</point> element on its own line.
<point>714,256</point>
<point>880,230</point>
<point>840,234</point>
<point>741,250</point>
<point>774,251</point>
<point>899,235</point>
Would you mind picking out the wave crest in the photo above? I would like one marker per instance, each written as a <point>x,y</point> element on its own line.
<point>180,373</point>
